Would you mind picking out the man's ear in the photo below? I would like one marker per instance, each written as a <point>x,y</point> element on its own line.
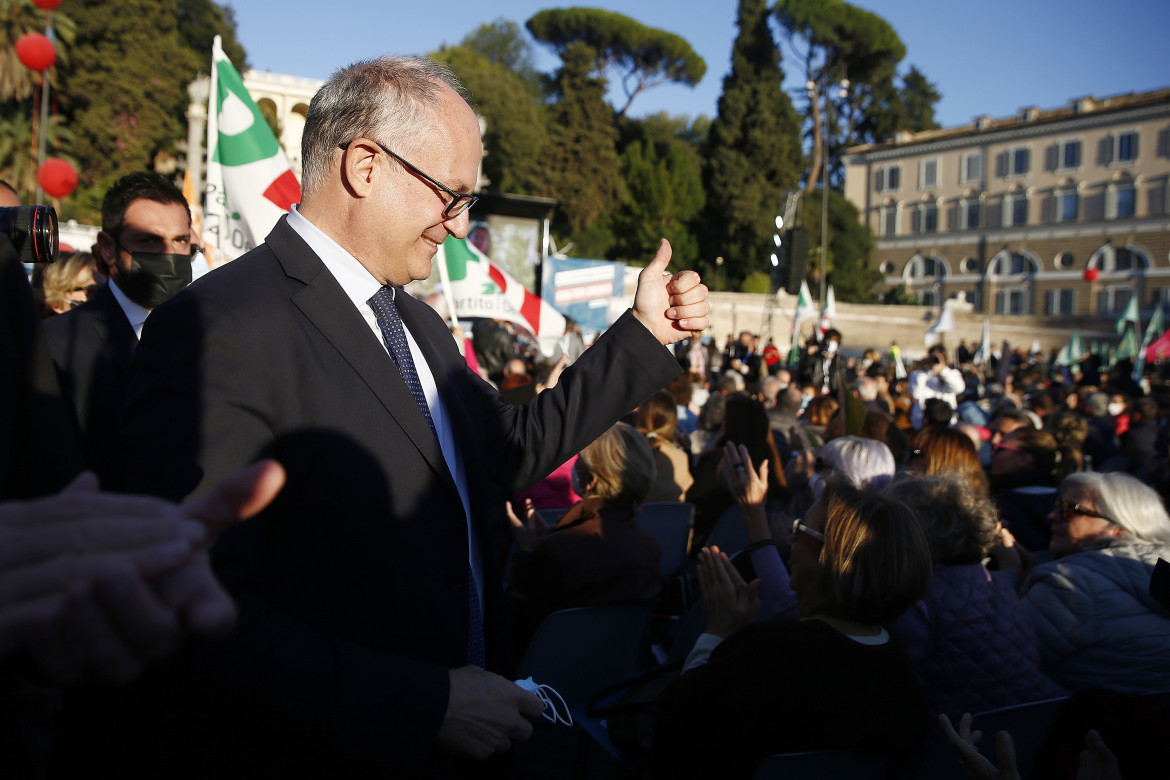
<point>107,250</point>
<point>359,167</point>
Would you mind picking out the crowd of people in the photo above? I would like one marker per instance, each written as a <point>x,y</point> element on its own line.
<point>947,540</point>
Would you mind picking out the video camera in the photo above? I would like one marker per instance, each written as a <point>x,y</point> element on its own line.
<point>32,231</point>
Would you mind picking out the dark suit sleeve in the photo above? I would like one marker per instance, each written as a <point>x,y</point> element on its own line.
<point>622,369</point>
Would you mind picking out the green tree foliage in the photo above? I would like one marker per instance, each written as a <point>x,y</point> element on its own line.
<point>662,172</point>
<point>199,21</point>
<point>123,92</point>
<point>504,44</point>
<point>580,161</point>
<point>752,152</point>
<point>645,56</point>
<point>494,64</point>
<point>850,243</point>
<point>836,41</point>
<point>887,108</point>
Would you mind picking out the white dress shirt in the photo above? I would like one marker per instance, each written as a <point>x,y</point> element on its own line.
<point>135,313</point>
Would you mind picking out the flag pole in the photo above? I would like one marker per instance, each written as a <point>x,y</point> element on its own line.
<point>445,283</point>
<point>212,142</point>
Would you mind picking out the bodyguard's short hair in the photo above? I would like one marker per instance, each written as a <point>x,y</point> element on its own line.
<point>388,99</point>
<point>142,185</point>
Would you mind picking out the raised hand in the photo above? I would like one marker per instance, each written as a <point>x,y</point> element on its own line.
<point>730,603</point>
<point>672,307</point>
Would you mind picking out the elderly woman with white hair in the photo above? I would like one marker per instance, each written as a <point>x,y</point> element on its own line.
<point>1097,623</point>
<point>865,464</point>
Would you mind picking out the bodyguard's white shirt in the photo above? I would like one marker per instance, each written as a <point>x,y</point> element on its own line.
<point>134,313</point>
<point>359,286</point>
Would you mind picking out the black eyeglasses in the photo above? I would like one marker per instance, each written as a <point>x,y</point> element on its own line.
<point>460,201</point>
<point>1069,509</point>
<point>799,527</point>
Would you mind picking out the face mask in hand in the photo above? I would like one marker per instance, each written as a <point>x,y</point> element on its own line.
<point>154,277</point>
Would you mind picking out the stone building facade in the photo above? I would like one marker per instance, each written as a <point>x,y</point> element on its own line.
<point>1009,214</point>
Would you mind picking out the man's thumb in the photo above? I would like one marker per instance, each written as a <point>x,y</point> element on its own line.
<point>661,258</point>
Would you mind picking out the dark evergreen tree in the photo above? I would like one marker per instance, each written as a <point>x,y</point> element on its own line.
<point>850,243</point>
<point>752,153</point>
<point>580,161</point>
<point>494,65</point>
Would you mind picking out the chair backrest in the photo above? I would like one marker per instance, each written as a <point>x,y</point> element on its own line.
<point>822,765</point>
<point>671,523</point>
<point>688,630</point>
<point>580,651</point>
<point>1028,724</point>
<point>729,533</point>
<point>552,516</point>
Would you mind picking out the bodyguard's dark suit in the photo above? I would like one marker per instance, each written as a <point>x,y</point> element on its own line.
<point>92,347</point>
<point>352,586</point>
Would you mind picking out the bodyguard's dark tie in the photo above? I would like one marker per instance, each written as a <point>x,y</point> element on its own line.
<point>394,335</point>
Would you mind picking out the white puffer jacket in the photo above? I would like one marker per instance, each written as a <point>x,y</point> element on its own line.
<point>1096,621</point>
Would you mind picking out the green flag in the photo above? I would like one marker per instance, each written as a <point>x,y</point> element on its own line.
<point>1129,315</point>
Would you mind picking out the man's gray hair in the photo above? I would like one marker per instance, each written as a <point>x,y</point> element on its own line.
<point>1127,501</point>
<point>387,99</point>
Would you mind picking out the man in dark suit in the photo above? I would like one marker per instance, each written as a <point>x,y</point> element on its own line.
<point>372,636</point>
<point>145,245</point>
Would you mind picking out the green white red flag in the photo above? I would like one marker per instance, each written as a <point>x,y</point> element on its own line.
<point>477,287</point>
<point>249,181</point>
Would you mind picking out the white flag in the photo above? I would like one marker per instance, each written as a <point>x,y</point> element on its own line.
<point>944,324</point>
<point>249,181</point>
<point>829,313</point>
<point>477,287</point>
<point>983,354</point>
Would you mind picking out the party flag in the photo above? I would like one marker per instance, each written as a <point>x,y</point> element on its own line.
<point>249,181</point>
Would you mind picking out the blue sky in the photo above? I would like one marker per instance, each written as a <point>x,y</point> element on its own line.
<point>993,57</point>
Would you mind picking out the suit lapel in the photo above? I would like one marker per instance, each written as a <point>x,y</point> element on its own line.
<point>325,304</point>
<point>113,329</point>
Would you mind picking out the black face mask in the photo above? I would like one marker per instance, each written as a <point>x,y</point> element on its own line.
<point>154,277</point>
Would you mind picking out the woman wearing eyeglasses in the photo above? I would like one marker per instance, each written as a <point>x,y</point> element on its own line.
<point>835,679</point>
<point>1094,617</point>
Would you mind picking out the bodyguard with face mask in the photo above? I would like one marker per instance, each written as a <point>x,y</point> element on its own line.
<point>145,249</point>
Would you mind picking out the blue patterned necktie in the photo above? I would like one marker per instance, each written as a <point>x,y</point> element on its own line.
<point>394,335</point>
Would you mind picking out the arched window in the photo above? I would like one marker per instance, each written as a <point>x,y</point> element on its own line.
<point>1123,271</point>
<point>1013,273</point>
<point>925,278</point>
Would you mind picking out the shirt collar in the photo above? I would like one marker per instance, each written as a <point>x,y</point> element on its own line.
<point>357,282</point>
<point>134,313</point>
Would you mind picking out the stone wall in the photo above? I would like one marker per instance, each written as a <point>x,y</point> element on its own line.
<point>864,326</point>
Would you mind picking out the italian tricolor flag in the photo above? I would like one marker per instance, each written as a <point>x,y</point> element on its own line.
<point>249,181</point>
<point>477,287</point>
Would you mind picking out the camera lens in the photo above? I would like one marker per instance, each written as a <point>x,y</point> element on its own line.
<point>32,231</point>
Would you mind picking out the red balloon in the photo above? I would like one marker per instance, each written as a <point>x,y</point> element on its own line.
<point>36,52</point>
<point>57,177</point>
<point>48,5</point>
<point>1091,274</point>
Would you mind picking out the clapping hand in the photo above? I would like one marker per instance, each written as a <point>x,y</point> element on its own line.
<point>526,535</point>
<point>730,603</point>
<point>749,486</point>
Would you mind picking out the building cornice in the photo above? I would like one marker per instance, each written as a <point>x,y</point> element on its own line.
<point>1103,230</point>
<point>978,138</point>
